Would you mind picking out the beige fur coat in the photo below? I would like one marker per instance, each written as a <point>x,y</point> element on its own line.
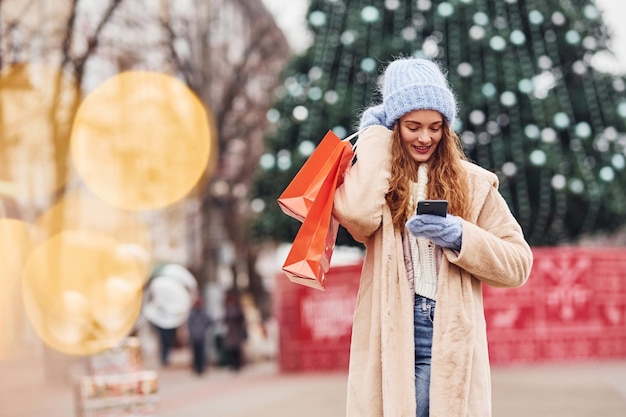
<point>494,252</point>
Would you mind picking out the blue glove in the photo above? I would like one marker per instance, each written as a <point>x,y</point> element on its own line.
<point>446,232</point>
<point>374,116</point>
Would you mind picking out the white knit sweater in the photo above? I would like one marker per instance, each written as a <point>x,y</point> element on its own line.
<point>422,250</point>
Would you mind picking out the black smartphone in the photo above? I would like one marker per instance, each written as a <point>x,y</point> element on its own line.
<point>436,207</point>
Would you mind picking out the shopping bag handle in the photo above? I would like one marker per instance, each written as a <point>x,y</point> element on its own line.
<point>352,136</point>
<point>349,138</point>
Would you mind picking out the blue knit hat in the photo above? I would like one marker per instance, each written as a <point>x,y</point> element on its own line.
<point>411,84</point>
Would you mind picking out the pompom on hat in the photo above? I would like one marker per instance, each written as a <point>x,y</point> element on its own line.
<point>411,84</point>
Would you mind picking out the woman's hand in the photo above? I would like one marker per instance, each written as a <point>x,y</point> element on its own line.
<point>446,232</point>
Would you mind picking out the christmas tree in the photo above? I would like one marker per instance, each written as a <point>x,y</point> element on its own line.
<point>533,106</point>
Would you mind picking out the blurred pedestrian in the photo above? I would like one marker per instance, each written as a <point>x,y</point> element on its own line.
<point>419,344</point>
<point>198,323</point>
<point>167,342</point>
<point>236,331</point>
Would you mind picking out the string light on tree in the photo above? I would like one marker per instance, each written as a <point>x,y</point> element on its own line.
<point>534,106</point>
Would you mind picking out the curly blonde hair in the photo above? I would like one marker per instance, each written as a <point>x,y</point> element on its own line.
<point>446,177</point>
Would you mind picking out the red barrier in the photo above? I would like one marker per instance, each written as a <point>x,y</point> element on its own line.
<point>315,326</point>
<point>573,308</point>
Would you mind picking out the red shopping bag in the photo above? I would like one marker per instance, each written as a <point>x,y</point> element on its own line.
<point>297,199</point>
<point>308,260</point>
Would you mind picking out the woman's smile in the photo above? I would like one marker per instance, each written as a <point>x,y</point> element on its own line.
<point>421,149</point>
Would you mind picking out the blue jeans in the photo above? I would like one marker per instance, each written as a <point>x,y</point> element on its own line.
<point>424,314</point>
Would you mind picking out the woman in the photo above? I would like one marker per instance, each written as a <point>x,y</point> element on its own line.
<point>419,342</point>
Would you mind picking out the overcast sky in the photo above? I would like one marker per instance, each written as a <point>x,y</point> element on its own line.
<point>613,12</point>
<point>290,15</point>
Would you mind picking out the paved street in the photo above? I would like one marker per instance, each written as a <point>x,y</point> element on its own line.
<point>260,390</point>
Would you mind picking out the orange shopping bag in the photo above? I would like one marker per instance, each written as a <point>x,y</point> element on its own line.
<point>311,251</point>
<point>297,199</point>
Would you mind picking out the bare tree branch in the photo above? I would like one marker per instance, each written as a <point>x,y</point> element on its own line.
<point>94,39</point>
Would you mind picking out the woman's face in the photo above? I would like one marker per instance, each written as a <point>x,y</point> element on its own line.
<point>421,131</point>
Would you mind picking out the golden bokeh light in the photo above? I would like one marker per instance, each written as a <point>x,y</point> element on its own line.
<point>81,210</point>
<point>141,140</point>
<point>81,296</point>
<point>16,242</point>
